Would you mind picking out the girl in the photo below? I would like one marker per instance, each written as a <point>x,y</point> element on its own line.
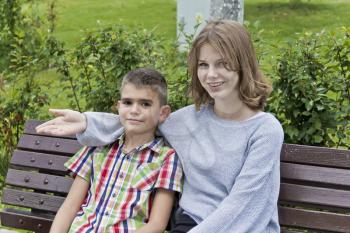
<point>229,147</point>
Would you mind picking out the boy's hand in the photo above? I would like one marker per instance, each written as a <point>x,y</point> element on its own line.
<point>67,122</point>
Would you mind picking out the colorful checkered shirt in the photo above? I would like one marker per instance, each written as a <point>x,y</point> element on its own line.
<point>122,184</point>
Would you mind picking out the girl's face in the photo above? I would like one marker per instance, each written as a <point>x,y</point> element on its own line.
<point>221,83</point>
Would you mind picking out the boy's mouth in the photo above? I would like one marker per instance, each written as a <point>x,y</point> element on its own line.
<point>134,120</point>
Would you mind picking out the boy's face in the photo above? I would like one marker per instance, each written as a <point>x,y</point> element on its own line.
<point>140,111</point>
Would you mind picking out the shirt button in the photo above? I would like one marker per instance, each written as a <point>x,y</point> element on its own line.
<point>114,195</point>
<point>121,175</point>
<point>128,157</point>
<point>106,213</point>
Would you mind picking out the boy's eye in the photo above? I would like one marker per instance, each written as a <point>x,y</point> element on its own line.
<point>146,104</point>
<point>126,102</point>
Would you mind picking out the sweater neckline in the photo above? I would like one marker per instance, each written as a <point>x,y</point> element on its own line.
<point>215,118</point>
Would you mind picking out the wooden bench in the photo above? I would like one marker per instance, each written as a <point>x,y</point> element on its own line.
<point>315,187</point>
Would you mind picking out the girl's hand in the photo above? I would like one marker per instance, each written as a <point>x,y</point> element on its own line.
<point>67,122</point>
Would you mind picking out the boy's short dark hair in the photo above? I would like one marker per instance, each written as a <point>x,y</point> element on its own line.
<point>147,77</point>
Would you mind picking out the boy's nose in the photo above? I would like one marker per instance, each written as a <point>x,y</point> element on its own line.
<point>135,109</point>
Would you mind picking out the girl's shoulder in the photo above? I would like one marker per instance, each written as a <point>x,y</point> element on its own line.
<point>188,112</point>
<point>267,124</point>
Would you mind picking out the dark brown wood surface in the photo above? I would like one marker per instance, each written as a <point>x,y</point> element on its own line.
<point>26,220</point>
<point>316,220</point>
<point>38,181</point>
<point>319,156</point>
<point>48,144</point>
<point>39,160</point>
<point>314,195</point>
<point>31,199</point>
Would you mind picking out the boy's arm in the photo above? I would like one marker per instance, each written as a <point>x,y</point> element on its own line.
<point>160,213</point>
<point>70,206</point>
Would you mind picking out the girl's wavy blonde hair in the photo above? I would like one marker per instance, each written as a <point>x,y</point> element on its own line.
<point>233,43</point>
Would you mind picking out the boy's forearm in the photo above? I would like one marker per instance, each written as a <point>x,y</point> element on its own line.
<point>70,206</point>
<point>160,213</point>
<point>150,227</point>
<point>63,219</point>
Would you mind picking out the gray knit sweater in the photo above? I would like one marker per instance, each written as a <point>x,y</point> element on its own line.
<point>232,169</point>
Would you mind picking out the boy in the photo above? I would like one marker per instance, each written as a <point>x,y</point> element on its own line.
<point>127,186</point>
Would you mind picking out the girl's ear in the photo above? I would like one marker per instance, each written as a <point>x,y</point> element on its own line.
<point>164,113</point>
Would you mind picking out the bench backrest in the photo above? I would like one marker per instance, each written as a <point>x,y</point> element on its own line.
<point>37,179</point>
<point>315,188</point>
<point>315,184</point>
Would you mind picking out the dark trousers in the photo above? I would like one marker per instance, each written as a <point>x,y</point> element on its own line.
<point>182,222</point>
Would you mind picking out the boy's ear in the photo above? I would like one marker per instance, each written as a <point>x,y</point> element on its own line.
<point>118,105</point>
<point>164,113</point>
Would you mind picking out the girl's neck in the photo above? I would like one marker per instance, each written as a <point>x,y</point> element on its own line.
<point>235,110</point>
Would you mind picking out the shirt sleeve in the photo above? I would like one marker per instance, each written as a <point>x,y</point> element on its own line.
<point>252,201</point>
<point>102,129</point>
<point>80,164</point>
<point>170,175</point>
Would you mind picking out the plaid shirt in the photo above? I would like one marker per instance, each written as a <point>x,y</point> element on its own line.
<point>122,184</point>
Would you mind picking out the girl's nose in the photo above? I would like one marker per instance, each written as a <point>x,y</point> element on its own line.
<point>212,72</point>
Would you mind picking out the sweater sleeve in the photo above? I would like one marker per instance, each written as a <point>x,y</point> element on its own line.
<point>102,129</point>
<point>252,201</point>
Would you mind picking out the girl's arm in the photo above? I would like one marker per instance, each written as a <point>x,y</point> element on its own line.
<point>70,206</point>
<point>252,201</point>
<point>160,213</point>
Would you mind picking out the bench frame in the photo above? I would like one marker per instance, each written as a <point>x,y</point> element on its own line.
<point>314,194</point>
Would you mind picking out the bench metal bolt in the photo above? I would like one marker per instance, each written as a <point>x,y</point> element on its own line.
<point>41,201</point>
<point>21,198</point>
<point>26,179</point>
<point>50,162</point>
<point>40,226</point>
<point>46,181</point>
<point>57,144</point>
<point>32,160</point>
<point>21,221</point>
<point>37,142</point>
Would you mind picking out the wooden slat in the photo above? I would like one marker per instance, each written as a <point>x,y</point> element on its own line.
<point>32,200</point>
<point>316,155</point>
<point>314,219</point>
<point>38,181</point>
<point>39,160</point>
<point>314,195</point>
<point>48,144</point>
<point>26,220</point>
<point>30,125</point>
<point>284,230</point>
<point>325,175</point>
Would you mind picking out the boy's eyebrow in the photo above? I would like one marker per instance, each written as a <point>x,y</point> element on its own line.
<point>144,100</point>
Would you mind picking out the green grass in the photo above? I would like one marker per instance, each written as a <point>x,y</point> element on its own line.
<point>73,17</point>
<point>280,20</point>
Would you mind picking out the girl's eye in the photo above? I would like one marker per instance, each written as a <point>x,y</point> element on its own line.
<point>202,64</point>
<point>223,64</point>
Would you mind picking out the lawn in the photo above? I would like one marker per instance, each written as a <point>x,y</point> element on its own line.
<point>278,18</point>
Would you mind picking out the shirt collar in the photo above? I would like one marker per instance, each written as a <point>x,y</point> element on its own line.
<point>155,145</point>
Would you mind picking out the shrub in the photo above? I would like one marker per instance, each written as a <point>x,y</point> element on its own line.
<point>312,85</point>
